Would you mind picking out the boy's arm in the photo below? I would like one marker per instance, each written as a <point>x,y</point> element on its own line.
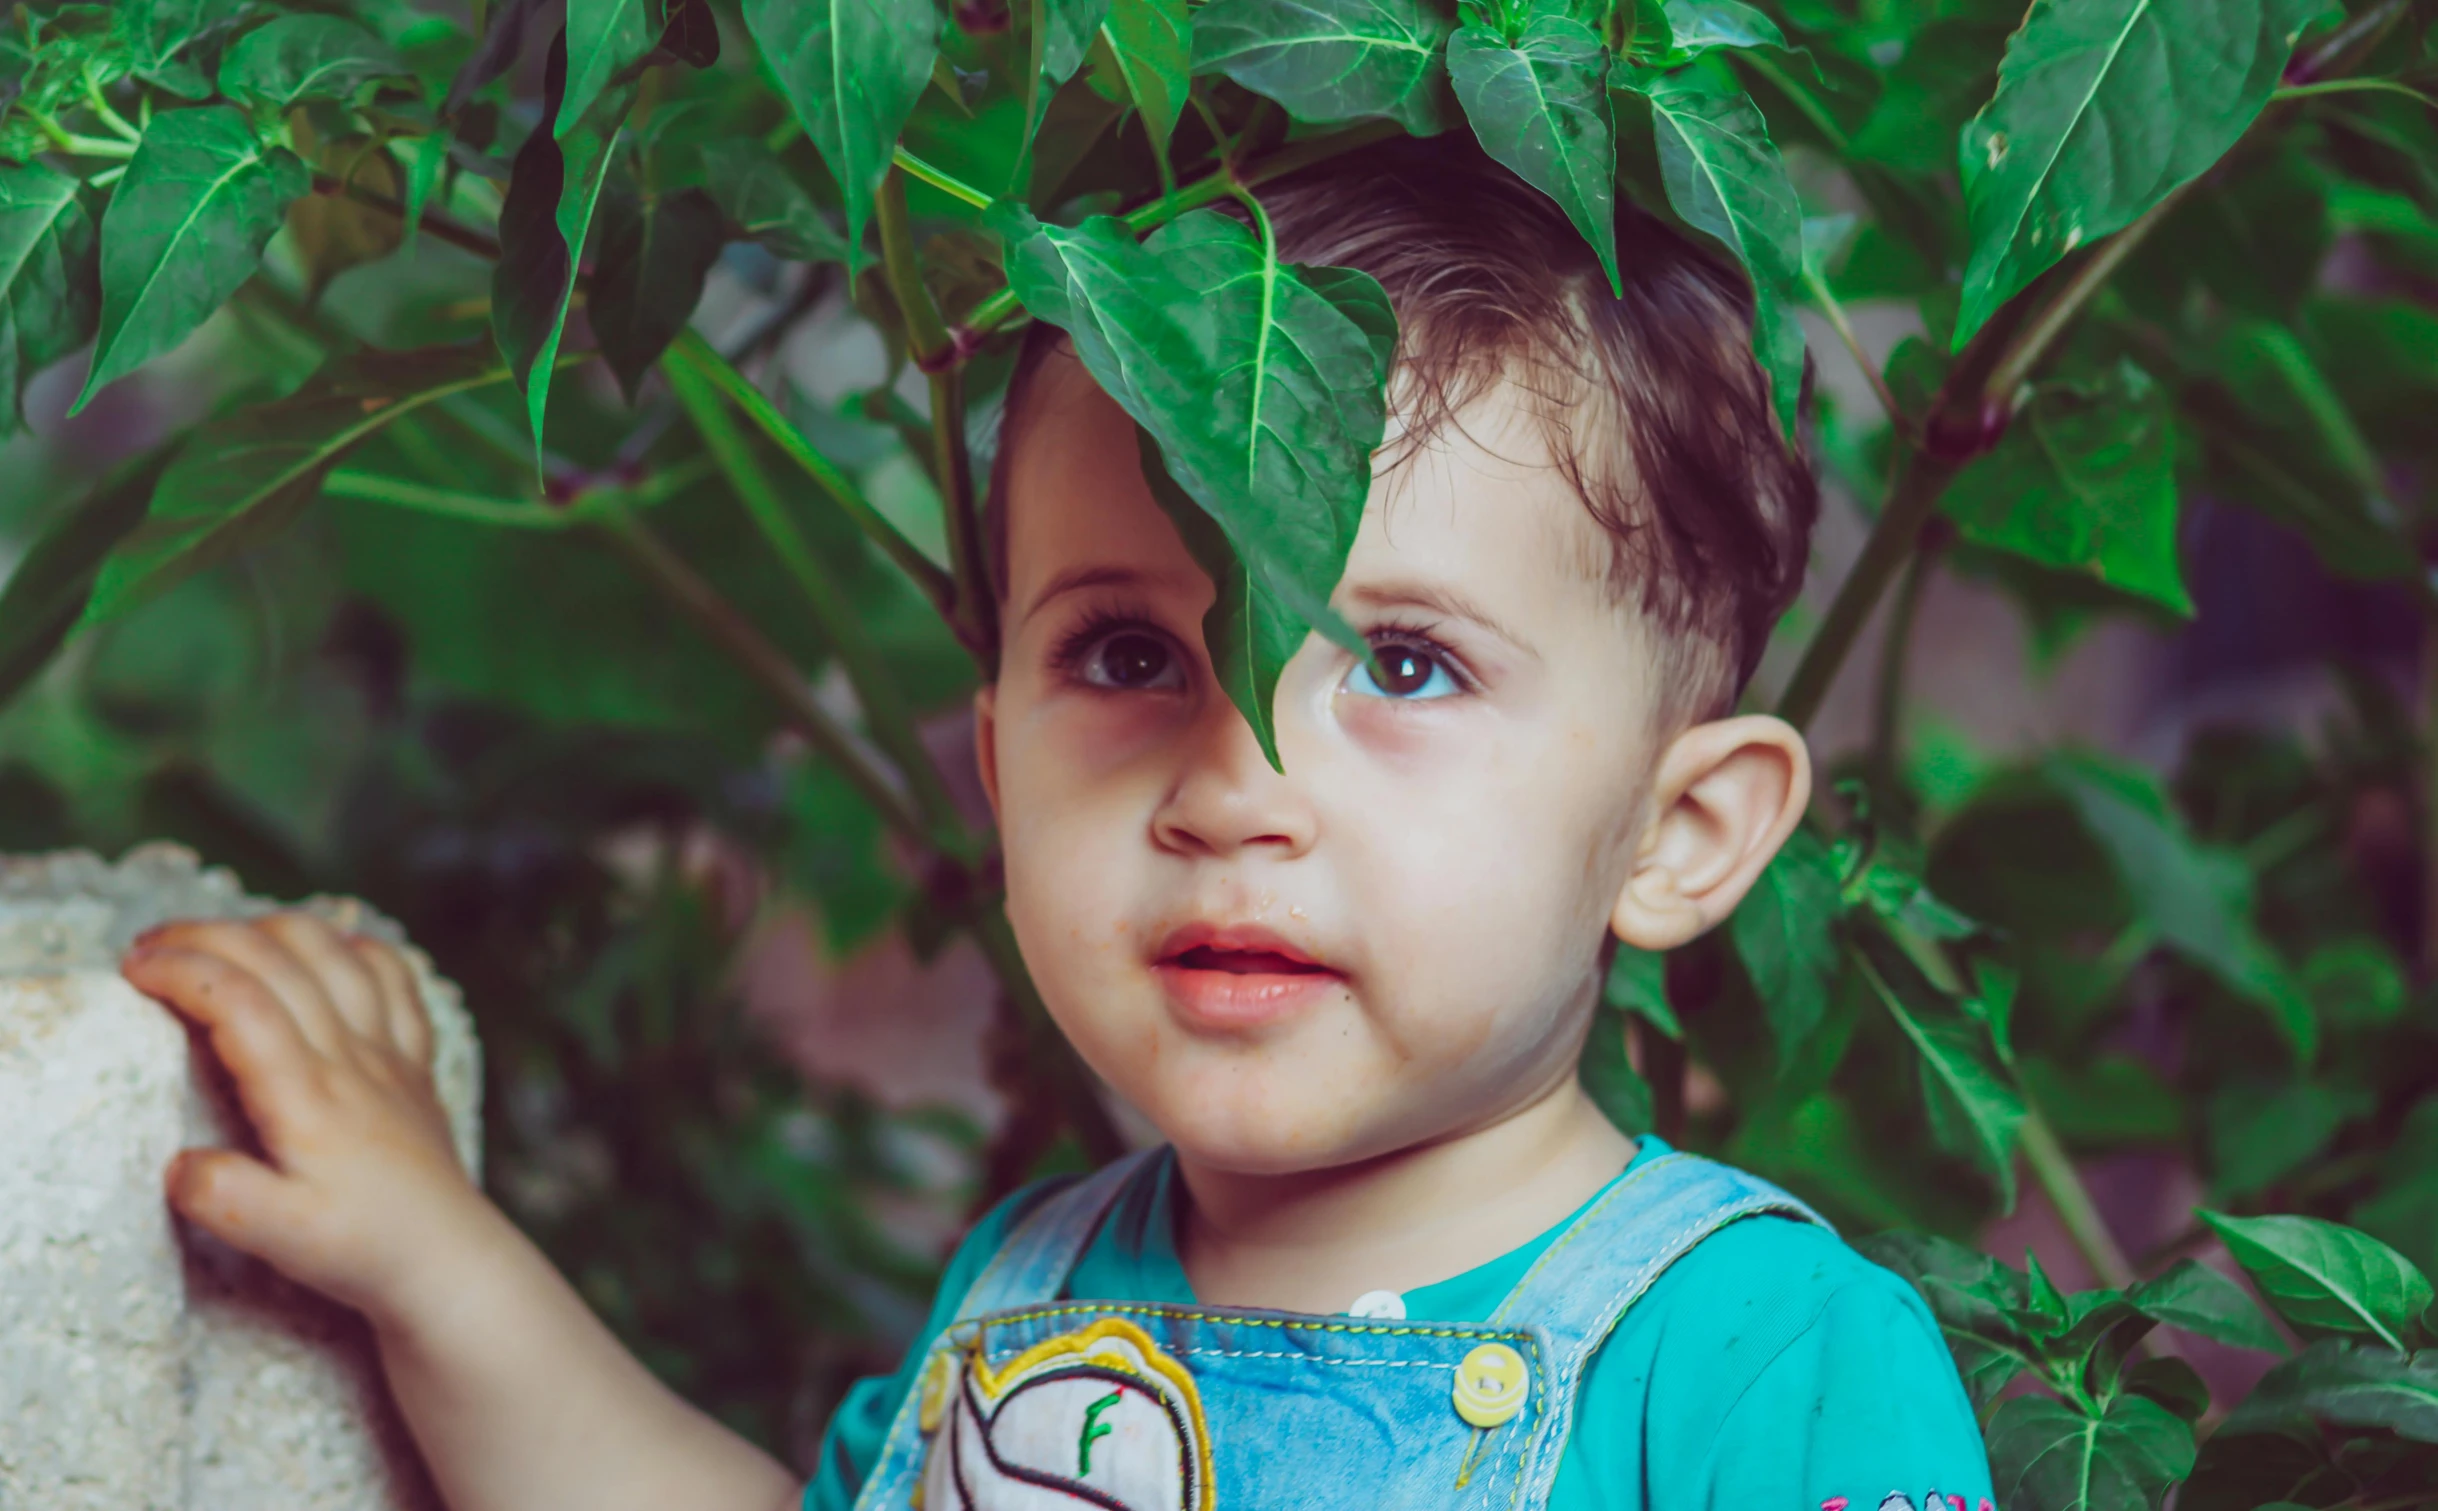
<point>519,1398</point>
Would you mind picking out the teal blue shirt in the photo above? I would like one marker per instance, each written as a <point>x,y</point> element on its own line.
<point>1770,1369</point>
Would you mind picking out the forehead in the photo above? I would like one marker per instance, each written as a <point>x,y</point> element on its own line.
<point>1480,500</point>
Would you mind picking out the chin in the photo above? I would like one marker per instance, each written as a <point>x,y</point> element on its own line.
<point>1246,1127</point>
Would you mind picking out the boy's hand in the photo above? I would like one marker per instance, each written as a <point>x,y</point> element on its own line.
<point>327,1041</point>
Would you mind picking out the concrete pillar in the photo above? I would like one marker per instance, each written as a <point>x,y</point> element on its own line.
<point>143,1365</point>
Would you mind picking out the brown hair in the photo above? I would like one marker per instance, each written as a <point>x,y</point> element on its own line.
<point>1652,401</point>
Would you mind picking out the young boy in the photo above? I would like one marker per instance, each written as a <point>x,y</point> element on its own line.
<point>1391,1255</point>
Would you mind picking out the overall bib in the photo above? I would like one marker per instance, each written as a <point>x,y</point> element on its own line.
<point>1032,1403</point>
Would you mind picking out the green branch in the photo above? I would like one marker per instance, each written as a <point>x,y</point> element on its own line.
<point>515,513</point>
<point>722,624</point>
<point>925,332</point>
<point>434,224</point>
<point>2053,1170</point>
<point>692,351</point>
<point>953,187</point>
<point>1911,503</point>
<point>876,688</point>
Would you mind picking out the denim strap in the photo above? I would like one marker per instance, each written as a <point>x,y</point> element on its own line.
<point>1575,1292</point>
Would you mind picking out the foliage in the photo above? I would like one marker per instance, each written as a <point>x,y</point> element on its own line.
<point>432,609</point>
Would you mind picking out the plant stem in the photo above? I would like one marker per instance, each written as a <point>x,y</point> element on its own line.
<point>975,618</point>
<point>514,513</point>
<point>692,350</point>
<point>1887,715</point>
<point>101,109</point>
<point>434,224</point>
<point>2024,354</point>
<point>947,184</point>
<point>2354,86</point>
<point>1911,502</point>
<point>722,624</point>
<point>1835,312</point>
<point>924,331</point>
<point>875,688</point>
<point>2057,1177</point>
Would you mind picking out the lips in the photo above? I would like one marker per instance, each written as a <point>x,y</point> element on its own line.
<point>1238,977</point>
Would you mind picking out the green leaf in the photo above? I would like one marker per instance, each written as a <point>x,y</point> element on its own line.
<point>2326,1278</point>
<point>2356,1385</point>
<point>1698,26</point>
<point>1785,930</point>
<point>605,38</point>
<point>1539,104</point>
<point>1261,382</point>
<point>307,57</point>
<point>2172,1383</point>
<point>851,71</point>
<point>2084,481</point>
<point>50,282</point>
<point>2045,1455</point>
<point>1061,34</point>
<point>1638,983</point>
<point>185,228</point>
<point>2190,1295</point>
<point>2199,899</point>
<point>764,201</point>
<point>1973,1111</point>
<point>1723,175</point>
<point>543,221</point>
<point>2259,1133</point>
<point>1152,42</point>
<point>249,474</point>
<point>655,253</point>
<point>46,594</point>
<point>1610,1079</point>
<point>2044,1305</point>
<point>2104,107</point>
<point>157,30</point>
<point>1330,61</point>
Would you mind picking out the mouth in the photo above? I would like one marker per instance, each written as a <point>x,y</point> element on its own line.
<point>1238,978</point>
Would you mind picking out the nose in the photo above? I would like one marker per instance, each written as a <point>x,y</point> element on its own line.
<point>1226,796</point>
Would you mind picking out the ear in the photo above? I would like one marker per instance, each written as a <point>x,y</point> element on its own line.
<point>1724,798</point>
<point>986,743</point>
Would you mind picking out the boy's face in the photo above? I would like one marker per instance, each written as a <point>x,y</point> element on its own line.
<point>1395,939</point>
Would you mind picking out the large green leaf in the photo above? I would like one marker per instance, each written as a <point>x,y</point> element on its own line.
<point>2192,1296</point>
<point>1726,179</point>
<point>1260,381</point>
<point>1786,931</point>
<point>2045,1455</point>
<point>1151,45</point>
<point>851,70</point>
<point>1332,60</point>
<point>2104,107</point>
<point>1539,104</point>
<point>156,30</point>
<point>307,58</point>
<point>656,250</point>
<point>245,476</point>
<point>605,38</point>
<point>1699,26</point>
<point>2199,899</point>
<point>764,201</point>
<point>46,593</point>
<point>50,286</point>
<point>185,228</point>
<point>2084,481</point>
<point>1973,1111</point>
<point>2326,1278</point>
<point>1638,984</point>
<point>2347,1384</point>
<point>543,221</point>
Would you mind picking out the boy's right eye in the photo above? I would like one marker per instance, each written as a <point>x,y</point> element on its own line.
<point>1128,660</point>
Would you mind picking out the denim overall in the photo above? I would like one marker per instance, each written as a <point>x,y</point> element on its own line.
<point>1028,1402</point>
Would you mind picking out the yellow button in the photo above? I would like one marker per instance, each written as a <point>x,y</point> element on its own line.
<point>1491,1385</point>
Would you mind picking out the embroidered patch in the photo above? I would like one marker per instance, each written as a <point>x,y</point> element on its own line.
<point>1096,1417</point>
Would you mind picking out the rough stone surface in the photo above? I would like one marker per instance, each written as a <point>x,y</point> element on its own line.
<point>144,1366</point>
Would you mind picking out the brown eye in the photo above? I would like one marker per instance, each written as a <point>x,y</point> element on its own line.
<point>1405,672</point>
<point>1132,661</point>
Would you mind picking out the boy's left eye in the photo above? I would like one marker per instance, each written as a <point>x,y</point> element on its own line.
<point>1404,672</point>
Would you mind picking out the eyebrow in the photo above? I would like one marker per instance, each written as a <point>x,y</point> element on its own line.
<point>1103,575</point>
<point>1439,598</point>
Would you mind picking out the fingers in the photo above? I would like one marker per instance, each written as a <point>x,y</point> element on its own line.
<point>257,953</point>
<point>338,970</point>
<point>250,1029</point>
<point>402,1005</point>
<point>241,1201</point>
